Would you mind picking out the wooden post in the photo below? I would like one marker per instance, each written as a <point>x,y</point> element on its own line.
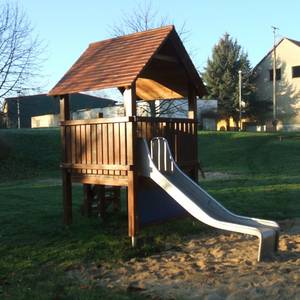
<point>129,97</point>
<point>66,176</point>
<point>192,103</point>
<point>87,200</point>
<point>192,114</point>
<point>130,110</point>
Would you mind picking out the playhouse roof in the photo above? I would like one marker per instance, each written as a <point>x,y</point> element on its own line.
<point>155,58</point>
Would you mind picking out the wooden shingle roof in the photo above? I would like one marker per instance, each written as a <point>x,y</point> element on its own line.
<point>118,62</point>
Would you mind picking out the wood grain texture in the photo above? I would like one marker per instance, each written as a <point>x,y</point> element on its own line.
<point>66,176</point>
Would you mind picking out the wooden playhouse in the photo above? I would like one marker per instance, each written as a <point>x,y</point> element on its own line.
<point>149,65</point>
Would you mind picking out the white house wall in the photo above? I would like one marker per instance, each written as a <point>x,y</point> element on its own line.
<point>288,88</point>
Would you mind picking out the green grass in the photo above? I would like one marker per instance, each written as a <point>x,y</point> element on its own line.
<point>267,182</point>
<point>36,251</point>
<point>29,153</point>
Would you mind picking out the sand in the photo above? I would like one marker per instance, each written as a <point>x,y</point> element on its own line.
<point>218,266</point>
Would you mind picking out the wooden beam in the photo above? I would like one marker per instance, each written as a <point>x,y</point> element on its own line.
<point>66,176</point>
<point>100,179</point>
<point>192,103</point>
<point>192,114</point>
<point>64,105</point>
<point>167,58</point>
<point>129,97</point>
<point>130,107</point>
<point>96,121</point>
<point>97,167</point>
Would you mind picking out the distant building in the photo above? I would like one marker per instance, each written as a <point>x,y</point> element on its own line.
<point>287,83</point>
<point>45,121</point>
<point>39,105</point>
<point>206,111</point>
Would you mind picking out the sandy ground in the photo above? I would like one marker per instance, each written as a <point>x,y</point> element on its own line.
<point>221,266</point>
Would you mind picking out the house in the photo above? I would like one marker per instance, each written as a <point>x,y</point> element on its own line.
<point>22,109</point>
<point>287,83</point>
<point>206,111</point>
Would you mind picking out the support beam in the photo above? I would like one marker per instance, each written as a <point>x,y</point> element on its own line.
<point>129,97</point>
<point>130,109</point>
<point>168,58</point>
<point>192,103</point>
<point>66,176</point>
<point>192,114</point>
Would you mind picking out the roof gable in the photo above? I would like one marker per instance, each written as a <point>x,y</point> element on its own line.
<point>297,43</point>
<point>118,62</point>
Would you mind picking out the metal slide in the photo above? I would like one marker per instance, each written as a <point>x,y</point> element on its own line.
<point>160,166</point>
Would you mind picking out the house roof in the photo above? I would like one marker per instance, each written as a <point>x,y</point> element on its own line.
<point>41,104</point>
<point>297,43</point>
<point>119,61</point>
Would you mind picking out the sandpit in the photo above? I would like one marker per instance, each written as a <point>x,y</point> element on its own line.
<point>218,266</point>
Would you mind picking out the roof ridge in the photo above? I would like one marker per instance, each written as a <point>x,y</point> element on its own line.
<point>293,41</point>
<point>170,27</point>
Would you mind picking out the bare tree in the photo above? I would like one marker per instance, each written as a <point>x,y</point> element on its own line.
<point>145,17</point>
<point>142,18</point>
<point>20,50</point>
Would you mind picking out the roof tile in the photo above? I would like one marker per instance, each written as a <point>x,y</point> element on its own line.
<point>112,63</point>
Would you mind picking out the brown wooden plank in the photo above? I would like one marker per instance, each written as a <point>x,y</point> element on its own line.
<point>94,145</point>
<point>66,177</point>
<point>176,141</point>
<point>105,146</point>
<point>100,146</point>
<point>111,148</point>
<point>123,142</point>
<point>88,148</point>
<point>132,176</point>
<point>83,145</point>
<point>97,166</point>
<point>132,212</point>
<point>157,120</point>
<point>117,146</point>
<point>100,179</point>
<point>68,142</point>
<point>78,144</point>
<point>73,144</point>
<point>95,121</point>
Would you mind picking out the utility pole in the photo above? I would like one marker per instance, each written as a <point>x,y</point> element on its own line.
<point>274,80</point>
<point>240,99</point>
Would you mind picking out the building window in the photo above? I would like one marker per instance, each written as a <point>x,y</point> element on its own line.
<point>296,71</point>
<point>278,74</point>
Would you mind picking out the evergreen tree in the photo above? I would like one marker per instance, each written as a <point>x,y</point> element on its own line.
<point>222,78</point>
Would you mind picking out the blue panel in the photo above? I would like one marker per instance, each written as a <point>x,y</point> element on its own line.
<point>155,205</point>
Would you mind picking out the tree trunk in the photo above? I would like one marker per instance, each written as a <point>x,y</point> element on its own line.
<point>228,123</point>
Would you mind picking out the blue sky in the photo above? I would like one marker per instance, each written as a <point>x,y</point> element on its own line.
<point>68,26</point>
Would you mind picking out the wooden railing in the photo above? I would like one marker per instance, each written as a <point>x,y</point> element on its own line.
<point>106,146</point>
<point>180,133</point>
<point>98,146</point>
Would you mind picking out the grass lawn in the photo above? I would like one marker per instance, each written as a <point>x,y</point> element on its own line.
<point>36,250</point>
